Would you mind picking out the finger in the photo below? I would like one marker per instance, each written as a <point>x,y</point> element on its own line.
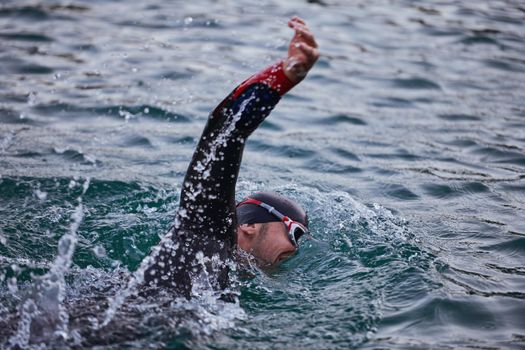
<point>306,36</point>
<point>302,29</point>
<point>310,52</point>
<point>298,19</point>
<point>299,25</point>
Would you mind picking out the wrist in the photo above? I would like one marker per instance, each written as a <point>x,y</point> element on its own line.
<point>294,70</point>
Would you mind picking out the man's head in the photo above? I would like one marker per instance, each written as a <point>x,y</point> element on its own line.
<point>269,226</point>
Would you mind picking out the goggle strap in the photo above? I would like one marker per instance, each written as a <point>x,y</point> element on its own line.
<point>269,208</point>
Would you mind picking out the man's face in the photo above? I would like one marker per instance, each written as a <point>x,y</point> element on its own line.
<point>271,244</point>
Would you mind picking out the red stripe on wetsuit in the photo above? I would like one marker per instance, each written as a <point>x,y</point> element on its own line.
<point>273,77</point>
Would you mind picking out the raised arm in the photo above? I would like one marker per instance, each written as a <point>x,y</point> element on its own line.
<point>208,193</point>
<point>204,232</point>
<point>209,186</point>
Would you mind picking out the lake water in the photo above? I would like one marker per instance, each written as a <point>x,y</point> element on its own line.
<point>406,144</point>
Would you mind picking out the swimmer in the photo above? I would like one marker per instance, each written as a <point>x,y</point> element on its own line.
<point>209,227</point>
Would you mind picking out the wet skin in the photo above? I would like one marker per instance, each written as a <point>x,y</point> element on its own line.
<point>268,243</point>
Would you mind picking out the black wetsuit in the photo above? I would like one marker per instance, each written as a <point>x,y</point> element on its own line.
<point>200,244</point>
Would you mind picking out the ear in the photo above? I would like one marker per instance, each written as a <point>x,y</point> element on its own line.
<point>248,229</point>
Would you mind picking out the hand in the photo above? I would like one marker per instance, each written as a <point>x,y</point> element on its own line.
<point>302,51</point>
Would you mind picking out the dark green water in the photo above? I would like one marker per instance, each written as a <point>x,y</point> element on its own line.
<point>406,144</point>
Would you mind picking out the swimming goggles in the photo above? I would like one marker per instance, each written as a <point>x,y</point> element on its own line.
<point>295,229</point>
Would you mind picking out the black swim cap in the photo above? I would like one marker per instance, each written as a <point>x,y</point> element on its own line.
<point>255,214</point>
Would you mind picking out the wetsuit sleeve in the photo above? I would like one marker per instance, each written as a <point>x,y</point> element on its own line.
<point>208,193</point>
<point>205,226</point>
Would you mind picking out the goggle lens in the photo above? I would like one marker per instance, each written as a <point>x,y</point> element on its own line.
<point>295,231</point>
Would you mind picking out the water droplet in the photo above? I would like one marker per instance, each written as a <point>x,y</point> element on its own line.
<point>127,115</point>
<point>31,99</point>
<point>100,251</point>
<point>41,194</point>
<point>11,285</point>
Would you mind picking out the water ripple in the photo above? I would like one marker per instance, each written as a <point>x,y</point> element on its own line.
<point>414,109</point>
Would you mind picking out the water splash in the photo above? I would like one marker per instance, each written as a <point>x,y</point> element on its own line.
<point>43,314</point>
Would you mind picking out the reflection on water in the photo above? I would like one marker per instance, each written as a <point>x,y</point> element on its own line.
<point>415,106</point>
